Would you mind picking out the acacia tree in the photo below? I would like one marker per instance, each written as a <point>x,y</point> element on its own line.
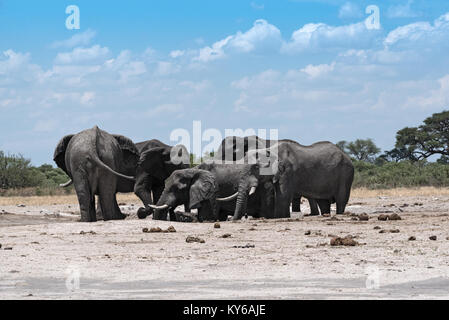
<point>361,149</point>
<point>430,138</point>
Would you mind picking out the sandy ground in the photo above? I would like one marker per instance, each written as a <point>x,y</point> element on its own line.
<point>46,254</point>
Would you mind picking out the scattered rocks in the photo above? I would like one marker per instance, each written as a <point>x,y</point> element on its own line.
<point>217,225</point>
<point>159,230</point>
<point>390,231</point>
<point>246,246</point>
<point>191,239</point>
<point>88,232</point>
<point>394,216</point>
<point>363,217</point>
<point>433,238</point>
<point>346,241</point>
<point>412,238</point>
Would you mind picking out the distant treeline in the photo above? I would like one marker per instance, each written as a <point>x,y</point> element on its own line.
<point>19,177</point>
<point>404,166</point>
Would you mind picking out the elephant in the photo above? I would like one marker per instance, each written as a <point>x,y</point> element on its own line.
<point>243,188</point>
<point>194,188</point>
<point>320,171</point>
<point>156,163</point>
<point>98,163</point>
<point>233,148</point>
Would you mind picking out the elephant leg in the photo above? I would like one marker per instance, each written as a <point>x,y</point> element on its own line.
<point>108,201</point>
<point>325,206</point>
<point>99,213</point>
<point>223,215</point>
<point>296,204</point>
<point>86,198</point>
<point>314,207</point>
<point>283,200</point>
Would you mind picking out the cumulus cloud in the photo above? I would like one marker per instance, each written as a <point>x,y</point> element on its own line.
<point>79,54</point>
<point>402,10</point>
<point>79,39</point>
<point>349,10</point>
<point>262,35</point>
<point>314,36</point>
<point>317,70</point>
<point>421,33</point>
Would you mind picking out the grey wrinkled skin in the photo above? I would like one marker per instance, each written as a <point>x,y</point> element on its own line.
<point>154,167</point>
<point>232,178</point>
<point>235,148</point>
<point>98,164</point>
<point>320,171</point>
<point>193,188</point>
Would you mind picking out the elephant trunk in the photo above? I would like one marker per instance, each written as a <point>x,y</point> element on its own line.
<point>242,199</point>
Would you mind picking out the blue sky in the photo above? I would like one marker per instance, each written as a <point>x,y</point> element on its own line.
<point>311,69</point>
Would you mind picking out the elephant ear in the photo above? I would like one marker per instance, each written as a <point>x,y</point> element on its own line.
<point>151,155</point>
<point>203,188</point>
<point>126,144</point>
<point>59,155</point>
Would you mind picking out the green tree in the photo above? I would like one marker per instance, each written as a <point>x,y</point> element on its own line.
<point>430,138</point>
<point>362,150</point>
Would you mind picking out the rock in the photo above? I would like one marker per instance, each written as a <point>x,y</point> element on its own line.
<point>21,206</point>
<point>447,238</point>
<point>363,217</point>
<point>382,231</point>
<point>226,235</point>
<point>245,246</point>
<point>191,239</point>
<point>412,238</point>
<point>376,228</point>
<point>394,231</point>
<point>394,216</point>
<point>346,241</point>
<point>307,233</point>
<point>8,248</point>
<point>433,238</point>
<point>171,229</point>
<point>382,217</point>
<point>252,229</point>
<point>217,225</point>
<point>0,245</point>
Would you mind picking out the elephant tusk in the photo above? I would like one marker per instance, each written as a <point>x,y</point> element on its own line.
<point>152,206</point>
<point>68,183</point>
<point>252,191</point>
<point>228,198</point>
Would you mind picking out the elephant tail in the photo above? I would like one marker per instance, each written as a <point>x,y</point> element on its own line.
<point>96,159</point>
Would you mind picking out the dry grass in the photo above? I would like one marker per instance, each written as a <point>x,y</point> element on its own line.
<point>54,200</point>
<point>131,198</point>
<point>399,192</point>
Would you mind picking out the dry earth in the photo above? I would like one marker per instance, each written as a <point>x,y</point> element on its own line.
<point>44,249</point>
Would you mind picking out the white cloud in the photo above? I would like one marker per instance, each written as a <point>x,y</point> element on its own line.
<point>421,33</point>
<point>349,10</point>
<point>261,35</point>
<point>79,54</point>
<point>169,108</point>
<point>256,6</point>
<point>402,11</point>
<point>79,39</point>
<point>317,70</point>
<point>314,36</point>
<point>177,53</point>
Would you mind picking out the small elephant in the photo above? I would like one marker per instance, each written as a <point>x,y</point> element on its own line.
<point>193,188</point>
<point>156,163</point>
<point>243,190</point>
<point>98,163</point>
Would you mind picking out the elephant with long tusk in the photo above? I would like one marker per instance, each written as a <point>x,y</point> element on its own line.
<point>218,190</point>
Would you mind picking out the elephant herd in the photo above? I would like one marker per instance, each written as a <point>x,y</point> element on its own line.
<point>246,176</point>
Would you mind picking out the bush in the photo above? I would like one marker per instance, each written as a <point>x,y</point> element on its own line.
<point>400,174</point>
